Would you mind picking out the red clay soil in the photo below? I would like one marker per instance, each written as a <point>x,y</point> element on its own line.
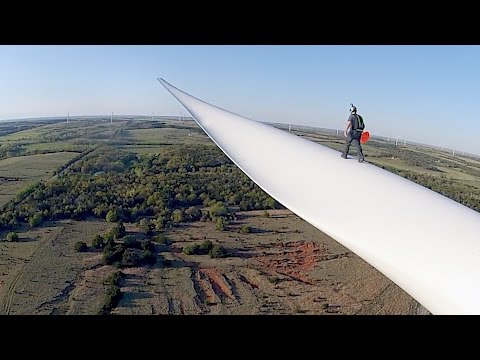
<point>207,294</point>
<point>219,284</point>
<point>294,259</point>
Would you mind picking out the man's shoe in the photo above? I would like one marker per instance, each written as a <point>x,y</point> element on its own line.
<point>343,156</point>
<point>361,160</point>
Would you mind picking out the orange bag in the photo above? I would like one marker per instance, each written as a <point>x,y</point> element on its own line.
<point>365,137</point>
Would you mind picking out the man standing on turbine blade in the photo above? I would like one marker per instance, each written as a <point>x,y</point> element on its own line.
<point>353,133</point>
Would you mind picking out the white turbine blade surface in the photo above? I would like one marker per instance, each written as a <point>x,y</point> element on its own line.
<point>426,243</point>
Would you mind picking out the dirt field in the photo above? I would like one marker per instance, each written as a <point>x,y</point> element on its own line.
<point>285,266</point>
<point>38,273</point>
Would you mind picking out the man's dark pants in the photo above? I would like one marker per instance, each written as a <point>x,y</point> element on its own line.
<point>354,137</point>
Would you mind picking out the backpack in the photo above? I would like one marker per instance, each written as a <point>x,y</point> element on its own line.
<point>361,124</point>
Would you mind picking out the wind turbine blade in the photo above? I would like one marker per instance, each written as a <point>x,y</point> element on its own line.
<point>426,243</point>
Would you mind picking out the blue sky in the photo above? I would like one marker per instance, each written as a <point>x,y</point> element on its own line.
<point>422,93</point>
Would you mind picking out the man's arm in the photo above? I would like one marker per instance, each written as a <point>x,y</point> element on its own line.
<point>349,125</point>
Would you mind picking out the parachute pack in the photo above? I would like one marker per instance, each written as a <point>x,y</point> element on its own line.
<point>361,124</point>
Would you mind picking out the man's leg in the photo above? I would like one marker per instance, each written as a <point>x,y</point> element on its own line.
<point>356,142</point>
<point>347,146</point>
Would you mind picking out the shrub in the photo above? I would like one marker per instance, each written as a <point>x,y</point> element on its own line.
<point>162,239</point>
<point>12,237</point>
<point>130,242</point>
<point>220,224</point>
<point>245,229</point>
<point>112,216</point>
<point>218,209</point>
<point>193,214</point>
<point>130,258</point>
<point>159,222</point>
<point>112,254</point>
<point>204,247</point>
<point>118,231</point>
<point>191,249</point>
<point>98,242</point>
<point>109,239</point>
<point>274,280</point>
<point>177,216</point>
<point>218,251</point>
<point>112,297</point>
<point>35,220</point>
<point>143,222</point>
<point>80,246</point>
<point>115,278</point>
<point>148,231</point>
<point>270,203</point>
<point>148,257</point>
<point>147,245</point>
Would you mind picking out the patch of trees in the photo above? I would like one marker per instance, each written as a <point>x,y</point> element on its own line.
<point>8,150</point>
<point>206,247</point>
<point>73,160</point>
<point>129,253</point>
<point>165,189</point>
<point>113,294</point>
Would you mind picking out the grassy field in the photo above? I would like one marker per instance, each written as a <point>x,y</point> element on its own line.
<point>35,166</point>
<point>59,133</point>
<point>33,154</point>
<point>142,149</point>
<point>56,146</point>
<point>18,172</point>
<point>164,136</point>
<point>40,271</point>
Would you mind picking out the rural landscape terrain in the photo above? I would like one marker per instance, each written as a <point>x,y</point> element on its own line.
<point>147,216</point>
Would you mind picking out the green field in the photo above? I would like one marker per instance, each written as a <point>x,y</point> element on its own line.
<point>61,132</point>
<point>142,149</point>
<point>18,172</point>
<point>164,136</point>
<point>56,146</point>
<point>8,189</point>
<point>34,166</point>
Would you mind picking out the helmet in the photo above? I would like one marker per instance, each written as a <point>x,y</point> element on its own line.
<point>353,108</point>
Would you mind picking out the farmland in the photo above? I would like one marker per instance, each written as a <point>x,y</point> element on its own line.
<point>171,226</point>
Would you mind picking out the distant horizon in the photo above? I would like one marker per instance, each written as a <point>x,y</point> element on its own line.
<point>425,93</point>
<point>190,118</point>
